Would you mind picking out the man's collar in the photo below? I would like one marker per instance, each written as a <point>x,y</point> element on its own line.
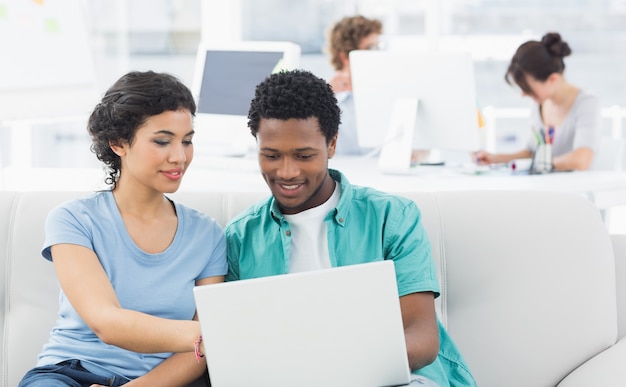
<point>342,208</point>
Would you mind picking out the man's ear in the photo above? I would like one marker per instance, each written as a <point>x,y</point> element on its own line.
<point>332,145</point>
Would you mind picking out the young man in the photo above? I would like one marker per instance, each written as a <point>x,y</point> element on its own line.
<point>315,219</point>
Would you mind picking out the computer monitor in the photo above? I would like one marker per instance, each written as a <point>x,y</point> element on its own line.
<point>414,100</point>
<point>224,81</point>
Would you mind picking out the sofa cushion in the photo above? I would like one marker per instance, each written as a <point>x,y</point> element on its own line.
<point>606,369</point>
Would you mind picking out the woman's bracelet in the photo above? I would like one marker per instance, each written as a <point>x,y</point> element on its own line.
<point>196,348</point>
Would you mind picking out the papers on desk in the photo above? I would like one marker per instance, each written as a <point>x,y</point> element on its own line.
<point>515,167</point>
<point>478,170</point>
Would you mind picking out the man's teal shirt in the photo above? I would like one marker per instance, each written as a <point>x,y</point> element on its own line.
<point>367,225</point>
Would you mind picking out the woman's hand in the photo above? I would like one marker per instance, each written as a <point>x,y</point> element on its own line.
<point>483,158</point>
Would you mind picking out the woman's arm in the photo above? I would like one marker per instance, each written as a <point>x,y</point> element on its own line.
<point>482,157</point>
<point>180,369</point>
<point>579,159</point>
<point>90,292</point>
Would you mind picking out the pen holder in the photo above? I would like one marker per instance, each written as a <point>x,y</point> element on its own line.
<point>542,160</point>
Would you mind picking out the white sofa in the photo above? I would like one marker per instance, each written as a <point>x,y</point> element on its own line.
<point>529,289</point>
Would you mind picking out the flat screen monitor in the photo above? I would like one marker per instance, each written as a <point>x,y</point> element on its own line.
<point>414,100</point>
<point>224,81</point>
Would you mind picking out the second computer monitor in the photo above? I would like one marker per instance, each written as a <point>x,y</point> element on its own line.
<point>427,99</point>
<point>225,78</point>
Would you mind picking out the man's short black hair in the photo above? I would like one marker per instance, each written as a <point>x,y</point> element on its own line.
<point>295,94</point>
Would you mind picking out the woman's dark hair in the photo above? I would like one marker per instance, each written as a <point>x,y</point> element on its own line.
<point>295,94</point>
<point>538,59</point>
<point>126,106</point>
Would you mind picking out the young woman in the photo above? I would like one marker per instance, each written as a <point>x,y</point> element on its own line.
<point>128,258</point>
<point>568,116</point>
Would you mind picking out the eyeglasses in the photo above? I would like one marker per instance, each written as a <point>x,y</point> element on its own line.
<point>380,45</point>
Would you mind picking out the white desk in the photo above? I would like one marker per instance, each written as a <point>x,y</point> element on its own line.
<point>605,189</point>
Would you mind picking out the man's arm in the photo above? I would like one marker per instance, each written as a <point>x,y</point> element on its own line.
<point>420,328</point>
<point>407,244</point>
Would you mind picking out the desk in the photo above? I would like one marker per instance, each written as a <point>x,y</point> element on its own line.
<point>605,189</point>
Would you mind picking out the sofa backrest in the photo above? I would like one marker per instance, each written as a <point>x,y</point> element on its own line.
<point>6,206</point>
<point>619,249</point>
<point>527,279</point>
<point>31,289</point>
<point>530,283</point>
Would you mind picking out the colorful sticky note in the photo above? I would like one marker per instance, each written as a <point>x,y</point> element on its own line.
<point>40,2</point>
<point>3,11</point>
<point>52,25</point>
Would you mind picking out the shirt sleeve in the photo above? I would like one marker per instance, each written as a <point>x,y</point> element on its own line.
<point>407,244</point>
<point>342,96</point>
<point>587,123</point>
<point>216,263</point>
<point>232,252</point>
<point>66,224</point>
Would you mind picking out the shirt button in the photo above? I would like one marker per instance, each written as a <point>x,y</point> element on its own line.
<point>288,233</point>
<point>340,220</point>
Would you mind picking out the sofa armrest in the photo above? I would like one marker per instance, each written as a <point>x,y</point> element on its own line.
<point>605,369</point>
<point>619,251</point>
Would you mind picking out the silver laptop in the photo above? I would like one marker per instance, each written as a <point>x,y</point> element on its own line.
<point>332,327</point>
